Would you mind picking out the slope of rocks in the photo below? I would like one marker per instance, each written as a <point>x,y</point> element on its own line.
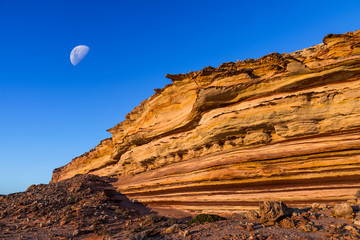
<point>88,207</point>
<point>75,207</point>
<point>281,127</point>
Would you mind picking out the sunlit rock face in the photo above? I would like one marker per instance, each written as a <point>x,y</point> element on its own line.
<point>281,127</point>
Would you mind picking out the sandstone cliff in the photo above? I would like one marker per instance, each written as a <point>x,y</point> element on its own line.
<point>284,127</point>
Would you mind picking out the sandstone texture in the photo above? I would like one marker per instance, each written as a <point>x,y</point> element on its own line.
<point>283,127</point>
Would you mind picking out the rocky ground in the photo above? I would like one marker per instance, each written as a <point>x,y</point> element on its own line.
<point>88,207</point>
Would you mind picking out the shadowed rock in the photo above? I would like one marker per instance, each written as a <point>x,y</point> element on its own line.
<point>273,211</point>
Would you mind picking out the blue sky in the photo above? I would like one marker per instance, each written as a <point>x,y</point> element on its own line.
<point>52,111</point>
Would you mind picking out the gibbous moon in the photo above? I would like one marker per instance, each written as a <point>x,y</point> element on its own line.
<point>78,53</point>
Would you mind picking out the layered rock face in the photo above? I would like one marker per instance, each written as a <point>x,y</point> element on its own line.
<point>281,127</point>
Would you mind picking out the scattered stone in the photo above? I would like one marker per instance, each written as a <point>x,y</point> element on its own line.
<point>287,223</point>
<point>301,219</point>
<point>270,223</point>
<point>49,222</point>
<point>313,210</point>
<point>357,222</point>
<point>308,228</point>
<point>315,205</point>
<point>339,226</point>
<point>273,211</point>
<point>154,218</point>
<point>250,227</point>
<point>63,222</point>
<point>323,206</point>
<point>242,227</point>
<point>352,201</point>
<point>252,236</point>
<point>260,236</point>
<point>351,229</point>
<point>272,237</point>
<point>64,206</point>
<point>172,229</point>
<point>343,210</point>
<point>331,205</point>
<point>305,214</point>
<point>76,232</point>
<point>294,214</point>
<point>184,233</point>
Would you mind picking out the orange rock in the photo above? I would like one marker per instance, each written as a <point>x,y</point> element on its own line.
<point>225,138</point>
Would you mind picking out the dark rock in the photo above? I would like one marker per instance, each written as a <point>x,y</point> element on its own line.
<point>172,229</point>
<point>351,229</point>
<point>287,223</point>
<point>76,232</point>
<point>308,228</point>
<point>176,77</point>
<point>63,222</point>
<point>301,219</point>
<point>154,218</point>
<point>273,211</point>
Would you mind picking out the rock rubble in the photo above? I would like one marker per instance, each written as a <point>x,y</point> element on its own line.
<point>87,207</point>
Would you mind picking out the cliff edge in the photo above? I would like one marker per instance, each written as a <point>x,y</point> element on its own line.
<point>281,127</point>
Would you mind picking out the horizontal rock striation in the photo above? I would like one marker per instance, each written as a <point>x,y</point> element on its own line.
<point>282,127</point>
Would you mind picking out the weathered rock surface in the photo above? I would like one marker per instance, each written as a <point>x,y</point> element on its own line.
<point>273,211</point>
<point>84,207</point>
<point>281,127</point>
<point>343,210</point>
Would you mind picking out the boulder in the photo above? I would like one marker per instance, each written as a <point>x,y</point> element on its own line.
<point>351,229</point>
<point>287,223</point>
<point>352,201</point>
<point>172,229</point>
<point>357,222</point>
<point>315,205</point>
<point>273,211</point>
<point>343,210</point>
<point>323,206</point>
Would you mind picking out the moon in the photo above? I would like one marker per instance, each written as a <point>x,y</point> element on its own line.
<point>78,53</point>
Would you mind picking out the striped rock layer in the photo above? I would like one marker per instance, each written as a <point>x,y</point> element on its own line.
<point>281,127</point>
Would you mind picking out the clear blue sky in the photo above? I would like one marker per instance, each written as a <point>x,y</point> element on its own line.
<point>52,111</point>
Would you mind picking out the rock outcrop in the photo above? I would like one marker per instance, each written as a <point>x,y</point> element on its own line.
<point>273,211</point>
<point>282,127</point>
